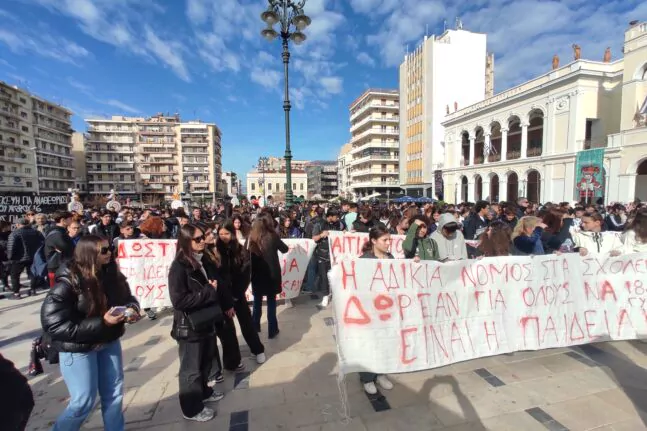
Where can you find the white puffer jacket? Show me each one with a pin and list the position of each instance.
(597, 242)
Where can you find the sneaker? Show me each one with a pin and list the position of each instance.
(215, 396)
(218, 378)
(260, 358)
(205, 415)
(151, 314)
(288, 303)
(370, 388)
(324, 302)
(15, 296)
(240, 368)
(384, 382)
(273, 334)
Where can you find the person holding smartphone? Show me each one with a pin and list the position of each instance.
(84, 314)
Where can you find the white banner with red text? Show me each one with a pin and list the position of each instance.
(349, 244)
(399, 316)
(146, 263)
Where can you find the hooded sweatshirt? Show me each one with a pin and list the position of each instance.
(452, 248)
(597, 242)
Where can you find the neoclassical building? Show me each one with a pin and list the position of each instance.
(525, 141)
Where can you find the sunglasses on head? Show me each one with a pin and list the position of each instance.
(198, 239)
(105, 250)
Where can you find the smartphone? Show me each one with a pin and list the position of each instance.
(117, 311)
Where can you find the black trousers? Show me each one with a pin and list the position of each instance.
(195, 364)
(323, 266)
(250, 334)
(16, 269)
(226, 332)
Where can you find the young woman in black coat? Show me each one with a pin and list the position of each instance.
(264, 245)
(234, 271)
(193, 293)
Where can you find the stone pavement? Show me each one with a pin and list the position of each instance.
(601, 387)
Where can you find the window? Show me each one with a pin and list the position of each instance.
(1, 168)
(25, 142)
(28, 183)
(278, 187)
(269, 186)
(28, 170)
(294, 186)
(25, 129)
(23, 100)
(253, 186)
(301, 186)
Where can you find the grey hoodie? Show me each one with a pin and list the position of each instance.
(452, 248)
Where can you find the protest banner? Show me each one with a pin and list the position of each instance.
(146, 263)
(400, 316)
(14, 205)
(349, 244)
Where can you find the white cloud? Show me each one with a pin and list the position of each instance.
(266, 77)
(332, 84)
(119, 23)
(366, 59)
(23, 40)
(120, 105)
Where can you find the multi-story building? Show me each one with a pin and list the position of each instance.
(322, 179)
(80, 165)
(272, 183)
(35, 143)
(343, 172)
(374, 128)
(525, 141)
(278, 164)
(443, 74)
(151, 159)
(232, 185)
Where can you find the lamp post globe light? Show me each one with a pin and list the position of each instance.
(289, 16)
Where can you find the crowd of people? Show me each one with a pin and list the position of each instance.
(222, 249)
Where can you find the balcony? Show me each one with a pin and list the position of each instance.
(374, 119)
(374, 144)
(41, 151)
(4, 95)
(13, 113)
(378, 131)
(390, 106)
(104, 129)
(375, 183)
(60, 117)
(11, 129)
(148, 132)
(62, 129)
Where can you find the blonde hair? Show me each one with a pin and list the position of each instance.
(523, 224)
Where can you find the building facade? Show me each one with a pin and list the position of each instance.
(80, 163)
(322, 179)
(375, 149)
(343, 173)
(271, 184)
(525, 141)
(35, 143)
(231, 183)
(151, 159)
(443, 74)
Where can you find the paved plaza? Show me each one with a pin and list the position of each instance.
(601, 387)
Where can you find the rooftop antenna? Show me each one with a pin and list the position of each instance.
(459, 23)
(444, 25)
(427, 30)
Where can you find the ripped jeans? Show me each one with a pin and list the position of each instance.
(86, 374)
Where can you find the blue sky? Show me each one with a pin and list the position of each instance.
(206, 59)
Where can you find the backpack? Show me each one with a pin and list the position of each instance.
(39, 265)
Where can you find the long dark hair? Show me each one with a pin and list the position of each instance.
(262, 234)
(639, 225)
(244, 226)
(498, 241)
(237, 250)
(184, 247)
(374, 234)
(553, 220)
(85, 266)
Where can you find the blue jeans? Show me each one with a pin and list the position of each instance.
(312, 275)
(272, 323)
(85, 374)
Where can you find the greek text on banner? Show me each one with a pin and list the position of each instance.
(146, 263)
(400, 316)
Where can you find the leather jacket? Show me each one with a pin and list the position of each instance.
(64, 313)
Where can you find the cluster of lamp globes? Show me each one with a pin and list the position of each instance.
(299, 19)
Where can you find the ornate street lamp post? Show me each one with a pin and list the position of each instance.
(288, 14)
(262, 166)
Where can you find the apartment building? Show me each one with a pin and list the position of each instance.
(443, 74)
(231, 183)
(322, 179)
(150, 159)
(343, 172)
(80, 163)
(375, 148)
(35, 143)
(278, 164)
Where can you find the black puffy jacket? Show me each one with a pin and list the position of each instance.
(64, 313)
(237, 277)
(23, 244)
(190, 291)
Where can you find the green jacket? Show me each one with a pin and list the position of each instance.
(427, 249)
